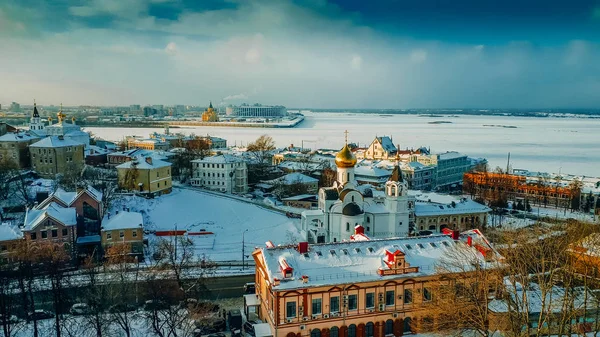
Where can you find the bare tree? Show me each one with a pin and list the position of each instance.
(122, 286)
(261, 149)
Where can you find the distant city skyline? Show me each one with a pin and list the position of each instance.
(302, 53)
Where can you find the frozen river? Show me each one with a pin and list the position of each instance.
(571, 145)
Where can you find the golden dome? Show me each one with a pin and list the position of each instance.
(345, 158)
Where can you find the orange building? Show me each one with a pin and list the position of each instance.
(359, 288)
(488, 185)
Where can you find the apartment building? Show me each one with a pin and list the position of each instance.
(123, 228)
(14, 148)
(146, 176)
(56, 155)
(223, 173)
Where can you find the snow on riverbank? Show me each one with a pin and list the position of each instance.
(228, 219)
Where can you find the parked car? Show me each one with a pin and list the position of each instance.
(151, 305)
(12, 319)
(188, 303)
(122, 307)
(249, 326)
(39, 314)
(234, 317)
(249, 288)
(80, 309)
(219, 324)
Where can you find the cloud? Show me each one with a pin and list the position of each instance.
(171, 48)
(418, 56)
(289, 52)
(356, 62)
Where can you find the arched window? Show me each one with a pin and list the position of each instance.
(347, 226)
(352, 198)
(389, 327)
(368, 220)
(369, 329)
(334, 332)
(352, 330)
(348, 176)
(315, 333)
(407, 324)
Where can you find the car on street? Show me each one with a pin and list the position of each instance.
(249, 288)
(39, 314)
(12, 319)
(80, 309)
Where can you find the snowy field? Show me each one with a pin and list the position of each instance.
(228, 219)
(537, 144)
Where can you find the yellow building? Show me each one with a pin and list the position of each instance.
(357, 288)
(145, 175)
(210, 115)
(123, 228)
(56, 155)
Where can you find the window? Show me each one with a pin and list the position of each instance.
(44, 234)
(389, 297)
(65, 232)
(121, 234)
(54, 233)
(352, 330)
(389, 327)
(134, 233)
(426, 294)
(407, 296)
(334, 332)
(370, 300)
(369, 329)
(316, 306)
(352, 302)
(334, 304)
(33, 236)
(347, 226)
(290, 309)
(109, 236)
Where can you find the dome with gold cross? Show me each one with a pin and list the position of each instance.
(345, 158)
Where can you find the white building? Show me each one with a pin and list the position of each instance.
(70, 131)
(343, 206)
(35, 123)
(256, 110)
(224, 173)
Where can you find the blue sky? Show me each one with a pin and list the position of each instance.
(302, 53)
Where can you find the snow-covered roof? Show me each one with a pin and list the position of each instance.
(95, 150)
(142, 164)
(9, 232)
(461, 207)
(296, 177)
(370, 171)
(66, 216)
(54, 141)
(18, 137)
(219, 159)
(262, 330)
(300, 197)
(450, 155)
(64, 196)
(359, 261)
(387, 144)
(122, 220)
(68, 198)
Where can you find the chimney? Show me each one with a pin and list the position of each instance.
(455, 235)
(303, 247)
(149, 160)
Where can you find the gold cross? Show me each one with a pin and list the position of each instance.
(346, 132)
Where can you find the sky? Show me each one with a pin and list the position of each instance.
(302, 53)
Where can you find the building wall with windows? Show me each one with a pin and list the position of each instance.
(256, 110)
(56, 155)
(356, 288)
(223, 173)
(123, 228)
(145, 175)
(14, 147)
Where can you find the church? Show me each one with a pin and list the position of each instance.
(70, 131)
(346, 205)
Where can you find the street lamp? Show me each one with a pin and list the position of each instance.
(243, 252)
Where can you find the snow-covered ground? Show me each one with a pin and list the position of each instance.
(228, 219)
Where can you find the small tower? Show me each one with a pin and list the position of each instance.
(35, 123)
(396, 188)
(345, 161)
